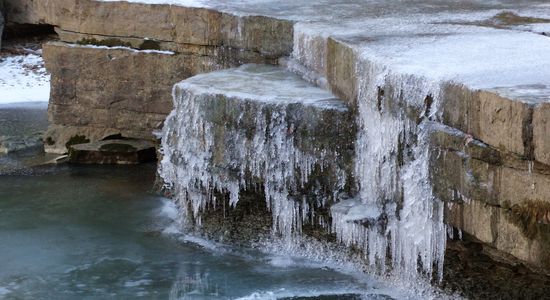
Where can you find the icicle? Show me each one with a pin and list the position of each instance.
(201, 157)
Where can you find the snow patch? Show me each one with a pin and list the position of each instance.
(122, 48)
(23, 78)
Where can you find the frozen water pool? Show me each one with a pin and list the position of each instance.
(98, 232)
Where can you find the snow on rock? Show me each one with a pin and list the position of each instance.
(515, 58)
(23, 78)
(122, 48)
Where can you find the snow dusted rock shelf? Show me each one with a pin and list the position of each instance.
(450, 99)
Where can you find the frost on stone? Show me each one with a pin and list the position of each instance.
(23, 78)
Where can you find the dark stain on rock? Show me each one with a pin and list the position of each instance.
(49, 141)
(150, 45)
(75, 140)
(529, 216)
(110, 42)
(118, 147)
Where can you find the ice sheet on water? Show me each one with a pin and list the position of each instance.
(4, 291)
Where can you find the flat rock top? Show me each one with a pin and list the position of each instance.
(261, 83)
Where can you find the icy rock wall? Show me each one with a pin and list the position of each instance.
(392, 174)
(394, 219)
(297, 151)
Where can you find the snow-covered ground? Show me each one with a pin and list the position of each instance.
(23, 78)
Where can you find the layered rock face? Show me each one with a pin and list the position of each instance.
(113, 151)
(486, 161)
(118, 91)
(445, 132)
(123, 69)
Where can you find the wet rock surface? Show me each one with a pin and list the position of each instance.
(480, 272)
(112, 151)
(498, 197)
(135, 88)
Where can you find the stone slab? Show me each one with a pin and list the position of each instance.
(113, 88)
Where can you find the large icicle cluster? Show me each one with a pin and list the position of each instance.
(392, 171)
(224, 141)
(394, 218)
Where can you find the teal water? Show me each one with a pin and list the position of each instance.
(73, 232)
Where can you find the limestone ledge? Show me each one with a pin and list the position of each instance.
(499, 198)
(489, 159)
(120, 88)
(99, 81)
(496, 227)
(159, 23)
(508, 124)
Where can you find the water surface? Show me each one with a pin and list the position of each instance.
(74, 232)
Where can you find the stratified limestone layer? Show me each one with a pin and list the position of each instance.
(501, 117)
(159, 24)
(99, 91)
(497, 197)
(102, 86)
(263, 129)
(111, 90)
